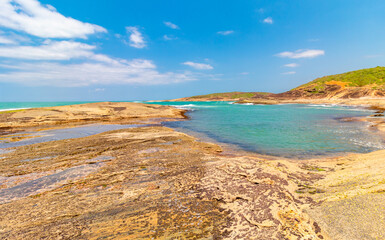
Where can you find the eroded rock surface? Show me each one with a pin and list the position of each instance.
(85, 113)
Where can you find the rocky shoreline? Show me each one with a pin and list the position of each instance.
(154, 182)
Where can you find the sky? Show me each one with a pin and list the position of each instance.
(118, 50)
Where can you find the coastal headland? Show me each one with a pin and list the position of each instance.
(360, 87)
(148, 181)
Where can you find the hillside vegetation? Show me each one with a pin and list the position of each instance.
(370, 77)
(368, 82)
(230, 95)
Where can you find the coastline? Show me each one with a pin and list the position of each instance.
(143, 187)
(377, 102)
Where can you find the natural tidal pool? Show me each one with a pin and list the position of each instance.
(66, 133)
(288, 130)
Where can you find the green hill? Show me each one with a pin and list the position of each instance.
(231, 95)
(371, 77)
(368, 82)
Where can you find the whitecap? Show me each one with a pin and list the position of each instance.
(184, 107)
(246, 104)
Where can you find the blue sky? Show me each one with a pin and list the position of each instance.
(148, 49)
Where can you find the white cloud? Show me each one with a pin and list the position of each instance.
(13, 38)
(50, 50)
(68, 63)
(50, 7)
(244, 73)
(6, 40)
(373, 56)
(289, 73)
(136, 39)
(138, 71)
(56, 50)
(268, 20)
(171, 25)
(292, 65)
(99, 89)
(226, 32)
(302, 53)
(199, 66)
(42, 21)
(169, 37)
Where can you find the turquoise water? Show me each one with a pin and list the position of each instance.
(291, 130)
(67, 133)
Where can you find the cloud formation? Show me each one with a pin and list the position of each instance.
(50, 50)
(199, 66)
(32, 57)
(292, 65)
(136, 39)
(373, 56)
(169, 37)
(225, 32)
(6, 40)
(302, 53)
(42, 21)
(137, 71)
(171, 25)
(268, 20)
(289, 73)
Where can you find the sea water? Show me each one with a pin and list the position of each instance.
(289, 130)
(66, 133)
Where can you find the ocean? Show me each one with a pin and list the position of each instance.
(287, 130)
